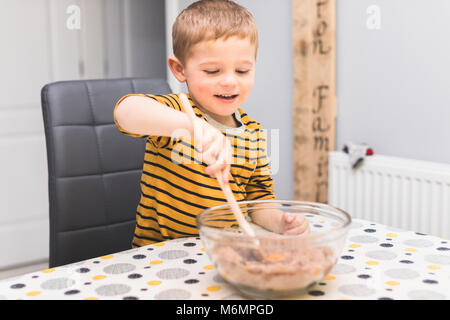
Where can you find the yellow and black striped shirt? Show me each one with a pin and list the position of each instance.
(175, 187)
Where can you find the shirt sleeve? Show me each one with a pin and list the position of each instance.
(260, 184)
(170, 100)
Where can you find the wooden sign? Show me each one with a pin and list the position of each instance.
(314, 101)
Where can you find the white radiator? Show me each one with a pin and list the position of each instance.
(403, 193)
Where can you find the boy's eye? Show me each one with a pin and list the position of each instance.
(242, 71)
(211, 71)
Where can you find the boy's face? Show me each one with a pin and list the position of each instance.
(220, 75)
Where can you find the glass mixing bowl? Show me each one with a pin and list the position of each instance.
(272, 265)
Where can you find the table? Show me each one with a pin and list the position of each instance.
(377, 262)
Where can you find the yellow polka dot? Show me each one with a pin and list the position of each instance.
(203, 249)
(433, 267)
(330, 277)
(214, 288)
(156, 262)
(208, 267)
(411, 249)
(354, 246)
(159, 244)
(391, 235)
(33, 293)
(275, 257)
(109, 256)
(344, 299)
(91, 298)
(99, 277)
(372, 263)
(392, 283)
(48, 270)
(154, 283)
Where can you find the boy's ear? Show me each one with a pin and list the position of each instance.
(177, 68)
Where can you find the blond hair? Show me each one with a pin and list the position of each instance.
(211, 20)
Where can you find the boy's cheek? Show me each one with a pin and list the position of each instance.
(201, 88)
(204, 88)
(248, 85)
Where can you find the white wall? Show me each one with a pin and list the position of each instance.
(393, 82)
(26, 66)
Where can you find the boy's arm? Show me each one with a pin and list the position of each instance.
(270, 218)
(279, 221)
(260, 187)
(143, 116)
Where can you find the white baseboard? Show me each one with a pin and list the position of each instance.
(21, 270)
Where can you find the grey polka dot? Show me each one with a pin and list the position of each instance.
(119, 268)
(425, 295)
(401, 273)
(57, 284)
(356, 290)
(437, 259)
(173, 273)
(341, 268)
(112, 289)
(364, 239)
(381, 255)
(173, 294)
(418, 243)
(173, 254)
(218, 278)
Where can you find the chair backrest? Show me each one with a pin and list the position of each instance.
(93, 170)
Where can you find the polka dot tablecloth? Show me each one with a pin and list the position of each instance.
(377, 262)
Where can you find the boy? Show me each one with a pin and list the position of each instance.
(214, 44)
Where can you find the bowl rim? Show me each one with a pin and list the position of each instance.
(319, 234)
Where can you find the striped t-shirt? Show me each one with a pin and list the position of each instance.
(175, 187)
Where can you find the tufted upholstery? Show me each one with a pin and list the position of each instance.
(93, 169)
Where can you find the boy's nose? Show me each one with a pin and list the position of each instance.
(228, 80)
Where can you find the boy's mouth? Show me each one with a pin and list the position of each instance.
(226, 97)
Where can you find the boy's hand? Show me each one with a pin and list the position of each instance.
(279, 221)
(294, 224)
(215, 149)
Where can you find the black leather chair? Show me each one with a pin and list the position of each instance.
(93, 169)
